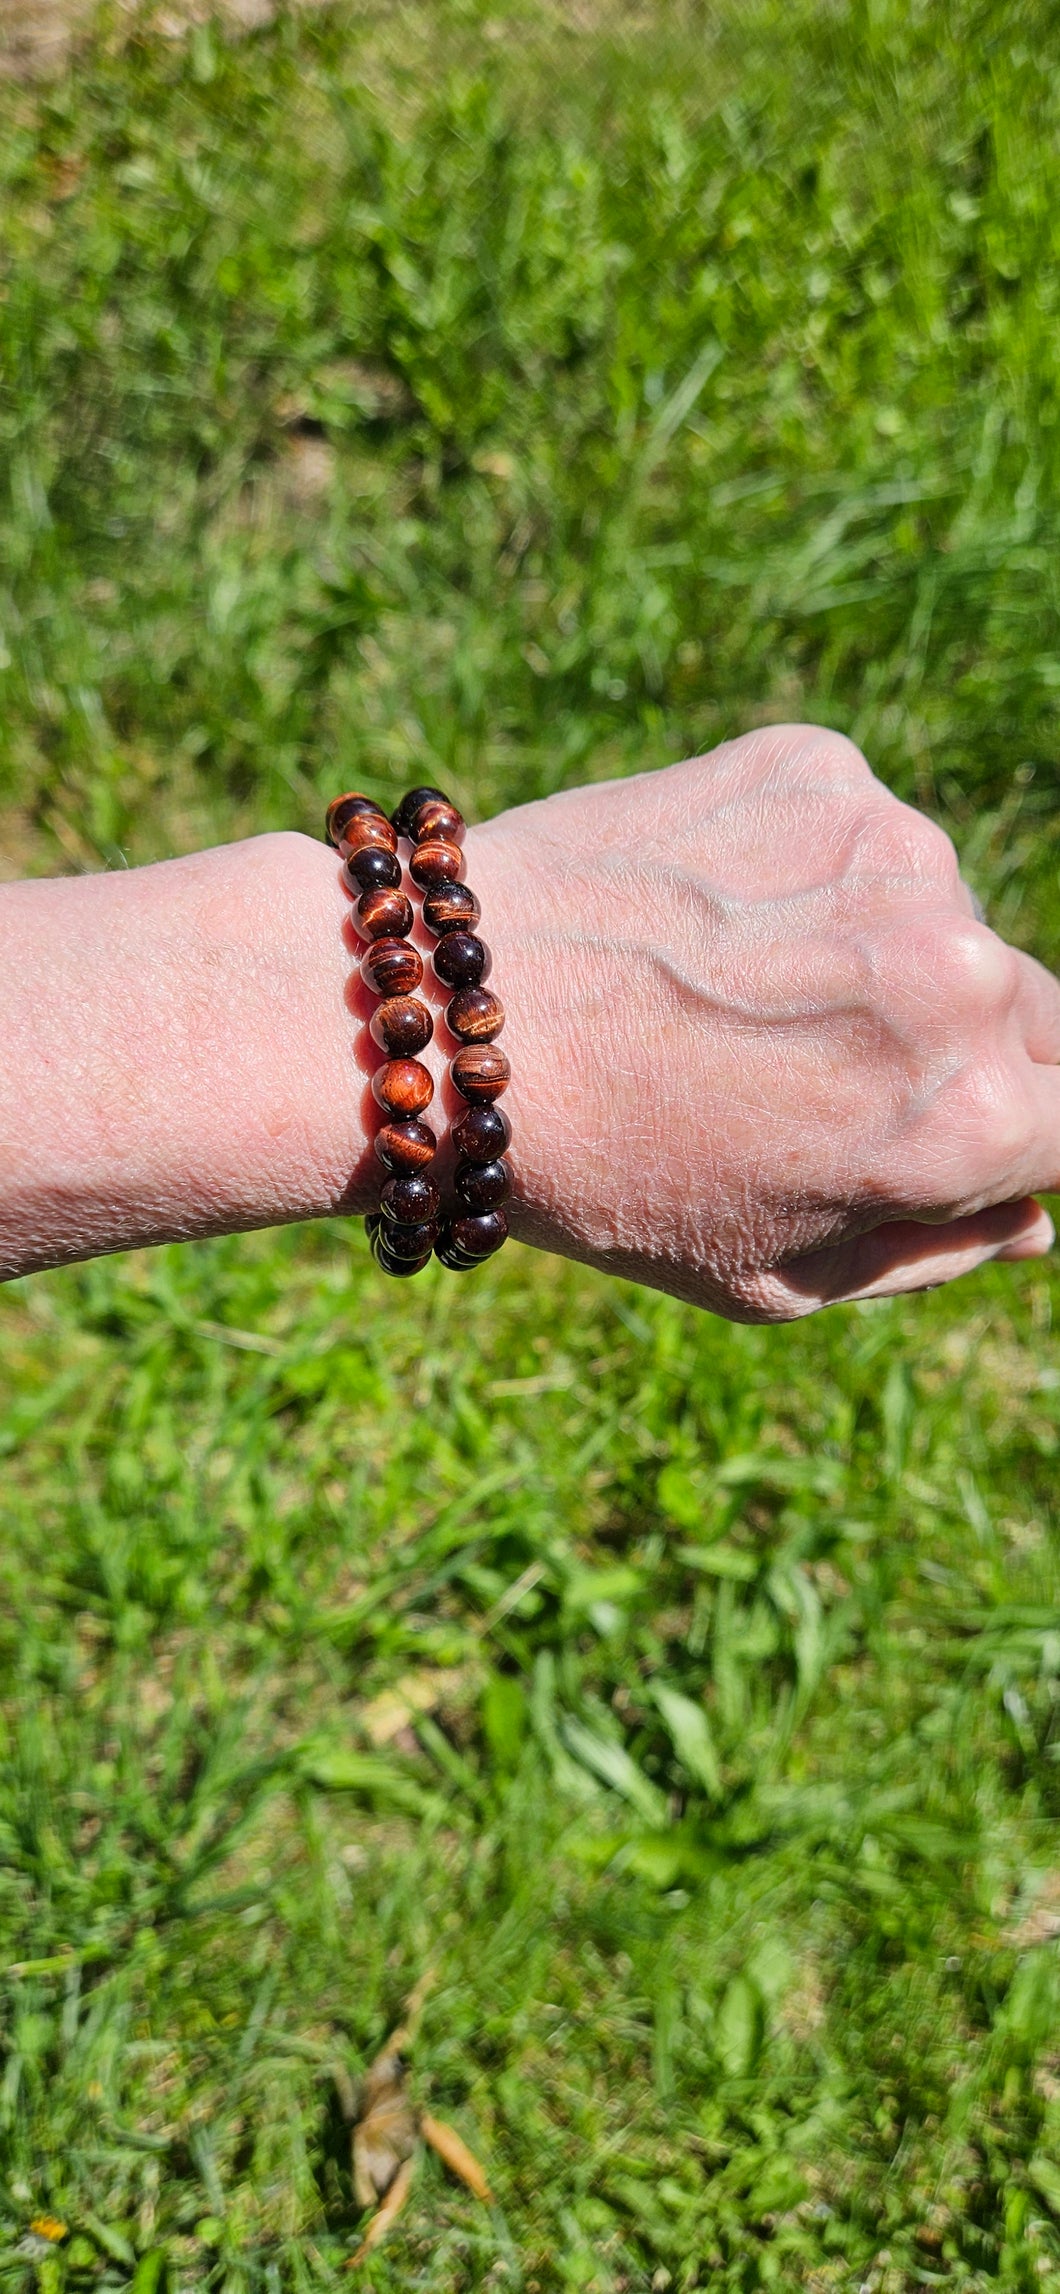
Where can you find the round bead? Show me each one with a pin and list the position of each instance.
(475, 1015)
(461, 960)
(403, 1087)
(391, 967)
(383, 915)
(458, 1262)
(436, 863)
(410, 805)
(478, 1232)
(410, 1199)
(436, 817)
(451, 908)
(390, 1263)
(370, 869)
(481, 1186)
(401, 1026)
(343, 809)
(367, 829)
(405, 1147)
(481, 1072)
(410, 1242)
(482, 1134)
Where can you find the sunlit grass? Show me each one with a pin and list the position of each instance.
(501, 396)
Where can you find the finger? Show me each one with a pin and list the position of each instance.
(908, 1256)
(1038, 1009)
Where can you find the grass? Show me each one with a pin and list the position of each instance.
(505, 395)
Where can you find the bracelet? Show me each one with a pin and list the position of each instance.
(407, 1227)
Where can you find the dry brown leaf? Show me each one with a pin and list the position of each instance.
(385, 2134)
(453, 2150)
(388, 2212)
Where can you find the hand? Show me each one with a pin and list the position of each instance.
(764, 1055)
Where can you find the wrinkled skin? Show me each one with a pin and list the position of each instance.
(764, 1054)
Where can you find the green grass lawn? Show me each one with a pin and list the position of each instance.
(503, 395)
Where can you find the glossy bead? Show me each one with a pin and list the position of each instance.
(461, 960)
(390, 1263)
(383, 915)
(458, 1262)
(403, 1147)
(436, 817)
(415, 1242)
(403, 1087)
(370, 869)
(482, 1134)
(476, 1015)
(481, 1186)
(436, 863)
(478, 1232)
(410, 805)
(367, 829)
(410, 1199)
(401, 1026)
(391, 967)
(344, 809)
(451, 908)
(481, 1072)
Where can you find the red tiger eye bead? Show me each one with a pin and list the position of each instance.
(343, 809)
(478, 1232)
(436, 817)
(411, 803)
(481, 1186)
(383, 915)
(401, 1026)
(391, 967)
(405, 1147)
(369, 869)
(436, 863)
(482, 1134)
(451, 908)
(481, 1072)
(461, 960)
(367, 829)
(403, 1087)
(475, 1015)
(410, 1199)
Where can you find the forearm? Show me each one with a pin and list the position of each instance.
(180, 1057)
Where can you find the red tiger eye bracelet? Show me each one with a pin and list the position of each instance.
(407, 1227)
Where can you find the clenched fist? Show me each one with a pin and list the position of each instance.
(764, 1054)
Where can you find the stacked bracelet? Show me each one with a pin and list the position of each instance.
(406, 1228)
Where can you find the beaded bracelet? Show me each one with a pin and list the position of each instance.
(407, 1227)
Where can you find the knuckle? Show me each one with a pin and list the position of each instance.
(975, 973)
(985, 1118)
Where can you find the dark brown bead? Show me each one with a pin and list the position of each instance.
(461, 960)
(410, 804)
(458, 1262)
(370, 869)
(390, 1263)
(367, 829)
(391, 967)
(481, 1072)
(482, 1134)
(344, 809)
(451, 908)
(436, 817)
(482, 1185)
(383, 915)
(476, 1015)
(410, 1242)
(410, 1199)
(404, 1147)
(403, 1087)
(401, 1026)
(478, 1232)
(436, 863)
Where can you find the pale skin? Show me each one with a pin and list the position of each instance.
(763, 1053)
